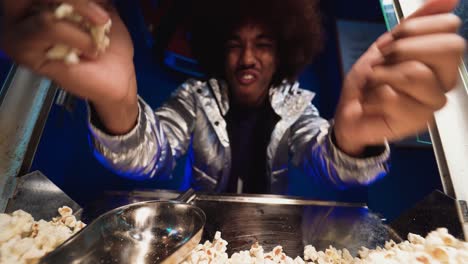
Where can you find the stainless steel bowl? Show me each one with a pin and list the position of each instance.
(147, 232)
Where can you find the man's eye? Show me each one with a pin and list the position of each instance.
(264, 45)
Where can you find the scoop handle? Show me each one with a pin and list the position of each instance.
(187, 196)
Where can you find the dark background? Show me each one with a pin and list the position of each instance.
(65, 157)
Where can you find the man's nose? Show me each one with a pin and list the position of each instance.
(248, 57)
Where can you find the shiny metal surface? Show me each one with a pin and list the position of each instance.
(146, 232)
(279, 220)
(37, 195)
(293, 226)
(434, 211)
(21, 107)
(272, 199)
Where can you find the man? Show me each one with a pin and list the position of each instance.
(244, 125)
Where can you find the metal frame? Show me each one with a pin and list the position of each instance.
(450, 144)
(237, 198)
(273, 199)
(38, 130)
(26, 100)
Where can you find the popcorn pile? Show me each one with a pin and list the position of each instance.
(438, 247)
(99, 35)
(23, 240)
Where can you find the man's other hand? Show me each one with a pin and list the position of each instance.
(394, 89)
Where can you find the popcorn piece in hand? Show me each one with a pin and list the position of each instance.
(64, 11)
(99, 35)
(58, 52)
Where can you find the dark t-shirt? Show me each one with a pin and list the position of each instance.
(249, 131)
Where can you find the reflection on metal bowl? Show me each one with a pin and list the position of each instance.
(147, 232)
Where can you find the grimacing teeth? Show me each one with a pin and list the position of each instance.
(248, 77)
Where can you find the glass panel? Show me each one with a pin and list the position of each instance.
(6, 71)
(390, 13)
(6, 67)
(391, 9)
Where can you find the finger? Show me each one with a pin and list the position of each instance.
(14, 9)
(440, 23)
(46, 30)
(119, 34)
(385, 101)
(441, 52)
(433, 7)
(36, 34)
(88, 9)
(379, 99)
(378, 129)
(50, 68)
(79, 71)
(384, 40)
(403, 115)
(357, 77)
(371, 126)
(413, 79)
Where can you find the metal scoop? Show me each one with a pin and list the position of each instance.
(140, 233)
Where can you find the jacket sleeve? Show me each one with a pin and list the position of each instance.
(313, 149)
(150, 149)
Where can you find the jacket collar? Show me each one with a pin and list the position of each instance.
(221, 94)
(287, 100)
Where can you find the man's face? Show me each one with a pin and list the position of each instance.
(250, 64)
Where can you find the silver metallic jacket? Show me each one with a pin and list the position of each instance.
(192, 120)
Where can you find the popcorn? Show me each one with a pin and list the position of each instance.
(438, 247)
(299, 260)
(256, 251)
(19, 223)
(99, 35)
(65, 211)
(63, 11)
(23, 240)
(310, 253)
(416, 239)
